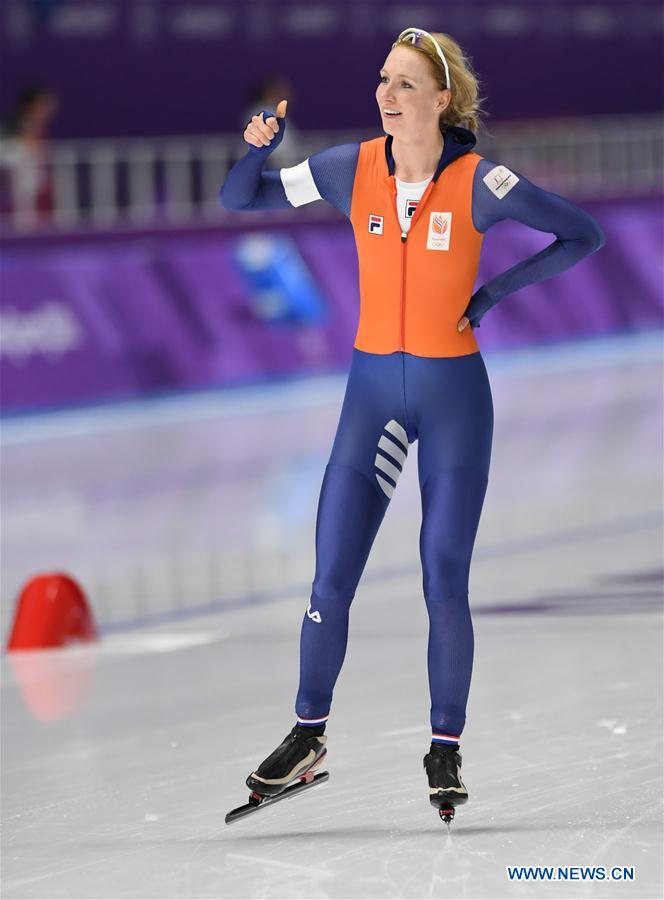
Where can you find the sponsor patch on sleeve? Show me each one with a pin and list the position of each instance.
(500, 181)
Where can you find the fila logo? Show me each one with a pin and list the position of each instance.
(315, 615)
(411, 206)
(375, 224)
(500, 181)
(440, 226)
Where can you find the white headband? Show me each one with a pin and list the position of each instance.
(413, 35)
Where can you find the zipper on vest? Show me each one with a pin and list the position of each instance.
(402, 338)
(404, 237)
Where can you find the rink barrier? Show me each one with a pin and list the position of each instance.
(173, 181)
(147, 595)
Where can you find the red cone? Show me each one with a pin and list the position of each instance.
(52, 611)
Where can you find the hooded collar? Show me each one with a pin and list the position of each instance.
(457, 141)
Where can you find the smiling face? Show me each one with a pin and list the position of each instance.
(407, 86)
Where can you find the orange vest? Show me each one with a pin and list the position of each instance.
(415, 286)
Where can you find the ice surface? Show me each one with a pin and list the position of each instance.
(191, 525)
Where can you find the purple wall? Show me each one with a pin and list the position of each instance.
(96, 320)
(134, 67)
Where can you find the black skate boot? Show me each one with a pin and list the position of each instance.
(298, 756)
(446, 789)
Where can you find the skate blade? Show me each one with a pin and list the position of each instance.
(258, 801)
(447, 799)
(446, 805)
(446, 813)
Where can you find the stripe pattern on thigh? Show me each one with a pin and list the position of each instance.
(391, 456)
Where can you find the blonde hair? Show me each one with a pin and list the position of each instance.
(465, 106)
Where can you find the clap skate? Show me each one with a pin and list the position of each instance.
(289, 770)
(446, 789)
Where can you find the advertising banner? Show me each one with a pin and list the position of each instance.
(142, 316)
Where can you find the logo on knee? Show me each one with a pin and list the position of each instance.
(314, 615)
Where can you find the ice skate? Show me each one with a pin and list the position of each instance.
(300, 753)
(446, 789)
(289, 770)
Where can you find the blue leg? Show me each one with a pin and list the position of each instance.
(369, 451)
(450, 403)
(349, 514)
(451, 507)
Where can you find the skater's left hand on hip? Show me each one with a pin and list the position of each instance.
(462, 323)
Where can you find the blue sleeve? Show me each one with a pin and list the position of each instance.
(333, 171)
(327, 175)
(247, 187)
(577, 233)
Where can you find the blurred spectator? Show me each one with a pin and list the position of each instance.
(43, 8)
(24, 160)
(266, 95)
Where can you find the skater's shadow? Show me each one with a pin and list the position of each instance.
(378, 832)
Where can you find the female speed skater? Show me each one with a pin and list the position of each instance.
(419, 200)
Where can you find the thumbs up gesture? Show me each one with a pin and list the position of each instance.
(261, 131)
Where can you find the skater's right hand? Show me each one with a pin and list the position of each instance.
(260, 133)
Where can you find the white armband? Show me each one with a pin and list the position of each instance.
(299, 184)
